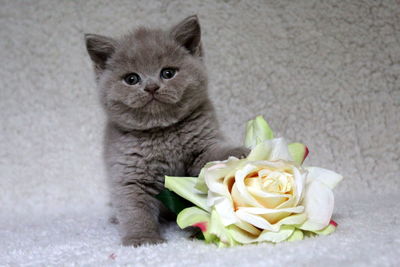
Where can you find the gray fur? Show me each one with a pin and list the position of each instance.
(146, 140)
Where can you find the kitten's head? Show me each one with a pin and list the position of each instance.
(150, 78)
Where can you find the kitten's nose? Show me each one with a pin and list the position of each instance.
(152, 88)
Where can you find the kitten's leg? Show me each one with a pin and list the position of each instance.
(137, 212)
(216, 152)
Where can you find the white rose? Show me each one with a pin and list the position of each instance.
(268, 196)
(268, 190)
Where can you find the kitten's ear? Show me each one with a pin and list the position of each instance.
(100, 48)
(188, 33)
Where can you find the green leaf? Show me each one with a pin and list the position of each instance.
(257, 131)
(185, 187)
(224, 239)
(283, 234)
(196, 217)
(326, 231)
(297, 235)
(192, 217)
(172, 201)
(201, 183)
(298, 152)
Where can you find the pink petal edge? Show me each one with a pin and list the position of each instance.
(333, 223)
(201, 225)
(305, 154)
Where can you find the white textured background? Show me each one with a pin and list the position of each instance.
(326, 73)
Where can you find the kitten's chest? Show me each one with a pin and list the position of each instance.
(159, 154)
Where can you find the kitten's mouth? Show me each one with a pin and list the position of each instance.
(156, 99)
(152, 100)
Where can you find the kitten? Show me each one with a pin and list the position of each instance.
(153, 87)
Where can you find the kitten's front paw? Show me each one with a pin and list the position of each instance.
(238, 152)
(138, 241)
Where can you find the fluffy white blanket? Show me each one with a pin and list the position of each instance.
(323, 73)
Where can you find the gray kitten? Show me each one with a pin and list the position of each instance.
(153, 86)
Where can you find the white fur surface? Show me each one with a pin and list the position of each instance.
(368, 235)
(324, 73)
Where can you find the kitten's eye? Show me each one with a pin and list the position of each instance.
(132, 78)
(168, 73)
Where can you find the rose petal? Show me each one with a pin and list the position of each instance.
(273, 216)
(280, 150)
(326, 231)
(214, 177)
(252, 210)
(275, 149)
(213, 198)
(296, 219)
(284, 233)
(265, 199)
(240, 235)
(214, 181)
(229, 182)
(260, 193)
(239, 189)
(297, 235)
(287, 204)
(327, 177)
(277, 164)
(217, 228)
(300, 180)
(318, 202)
(261, 151)
(248, 227)
(268, 200)
(217, 165)
(226, 212)
(271, 219)
(255, 220)
(201, 184)
(228, 165)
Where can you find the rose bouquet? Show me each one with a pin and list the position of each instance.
(267, 197)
